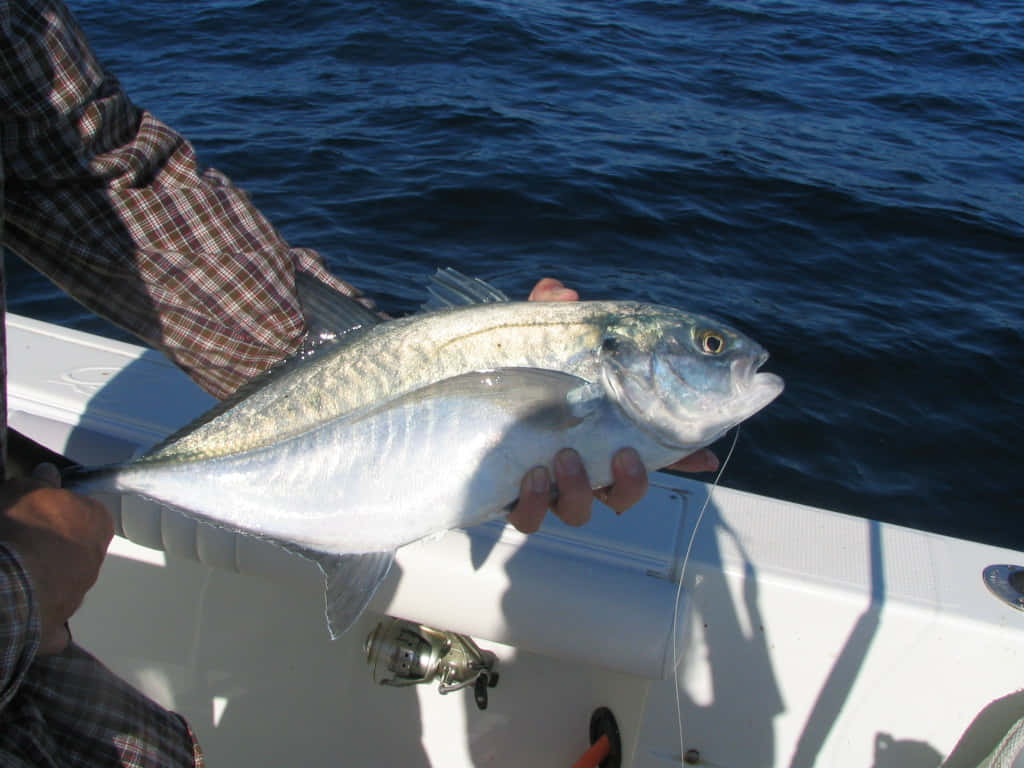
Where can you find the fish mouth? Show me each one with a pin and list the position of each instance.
(678, 414)
(768, 385)
(752, 390)
(745, 369)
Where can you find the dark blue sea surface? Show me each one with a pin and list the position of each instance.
(844, 181)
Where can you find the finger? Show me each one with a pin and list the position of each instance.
(549, 289)
(47, 473)
(701, 461)
(534, 496)
(630, 484)
(575, 498)
(104, 522)
(55, 641)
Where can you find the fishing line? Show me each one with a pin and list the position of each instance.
(679, 593)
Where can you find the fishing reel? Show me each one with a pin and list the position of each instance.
(413, 654)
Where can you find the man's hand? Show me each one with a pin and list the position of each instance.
(549, 289)
(61, 538)
(575, 497)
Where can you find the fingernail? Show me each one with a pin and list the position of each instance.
(629, 463)
(47, 473)
(569, 463)
(539, 480)
(711, 461)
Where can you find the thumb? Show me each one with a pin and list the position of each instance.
(47, 473)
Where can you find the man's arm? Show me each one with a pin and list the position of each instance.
(112, 205)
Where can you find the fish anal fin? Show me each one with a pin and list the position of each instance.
(350, 582)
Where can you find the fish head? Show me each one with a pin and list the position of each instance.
(685, 378)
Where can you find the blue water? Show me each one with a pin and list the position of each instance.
(841, 180)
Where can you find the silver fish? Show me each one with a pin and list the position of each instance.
(402, 429)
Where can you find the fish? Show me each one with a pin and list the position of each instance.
(382, 432)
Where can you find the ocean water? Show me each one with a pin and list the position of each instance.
(842, 180)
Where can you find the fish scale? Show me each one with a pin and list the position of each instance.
(398, 357)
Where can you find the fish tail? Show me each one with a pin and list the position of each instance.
(90, 479)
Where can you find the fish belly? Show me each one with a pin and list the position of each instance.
(450, 456)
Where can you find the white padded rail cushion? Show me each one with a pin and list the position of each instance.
(519, 596)
(156, 527)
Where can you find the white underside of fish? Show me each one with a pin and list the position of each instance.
(449, 455)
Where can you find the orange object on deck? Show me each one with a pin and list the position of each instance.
(595, 755)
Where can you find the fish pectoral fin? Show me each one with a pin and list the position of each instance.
(546, 399)
(512, 385)
(585, 399)
(350, 581)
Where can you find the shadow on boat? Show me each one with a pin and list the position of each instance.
(249, 663)
(219, 658)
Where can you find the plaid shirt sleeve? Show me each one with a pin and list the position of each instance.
(19, 627)
(112, 206)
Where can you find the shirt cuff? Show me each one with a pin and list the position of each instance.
(19, 624)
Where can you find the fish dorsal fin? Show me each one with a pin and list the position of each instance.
(330, 315)
(450, 288)
(332, 320)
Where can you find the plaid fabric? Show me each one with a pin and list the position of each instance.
(112, 206)
(19, 626)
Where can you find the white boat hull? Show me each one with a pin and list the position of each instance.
(805, 637)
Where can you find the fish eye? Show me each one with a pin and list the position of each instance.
(711, 343)
(609, 344)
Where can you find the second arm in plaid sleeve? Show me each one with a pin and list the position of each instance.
(112, 205)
